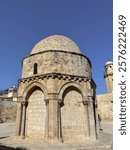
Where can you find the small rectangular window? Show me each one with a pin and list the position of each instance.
(35, 68)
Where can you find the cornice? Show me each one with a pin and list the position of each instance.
(54, 76)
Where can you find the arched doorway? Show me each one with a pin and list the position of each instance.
(35, 114)
(73, 116)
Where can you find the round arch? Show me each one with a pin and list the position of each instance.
(31, 86)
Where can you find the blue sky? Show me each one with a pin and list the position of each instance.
(23, 23)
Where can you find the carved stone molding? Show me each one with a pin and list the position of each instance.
(46, 101)
(53, 76)
(85, 102)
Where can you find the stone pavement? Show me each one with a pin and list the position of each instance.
(6, 143)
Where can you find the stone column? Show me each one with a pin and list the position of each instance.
(92, 117)
(47, 121)
(59, 121)
(53, 120)
(87, 118)
(23, 120)
(98, 127)
(18, 119)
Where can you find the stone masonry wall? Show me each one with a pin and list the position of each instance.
(56, 62)
(36, 114)
(105, 106)
(73, 115)
(73, 118)
(7, 111)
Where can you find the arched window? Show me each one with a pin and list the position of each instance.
(35, 68)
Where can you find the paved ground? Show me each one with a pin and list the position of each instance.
(6, 143)
(107, 128)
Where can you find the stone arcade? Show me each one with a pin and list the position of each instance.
(56, 94)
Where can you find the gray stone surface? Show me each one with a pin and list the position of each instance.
(56, 42)
(7, 111)
(8, 142)
(105, 107)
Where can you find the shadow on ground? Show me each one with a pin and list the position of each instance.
(4, 137)
(2, 147)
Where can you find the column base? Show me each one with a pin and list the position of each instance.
(60, 140)
(22, 136)
(55, 141)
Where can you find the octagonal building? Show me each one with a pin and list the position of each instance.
(56, 94)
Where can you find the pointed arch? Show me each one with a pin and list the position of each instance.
(76, 86)
(72, 113)
(32, 87)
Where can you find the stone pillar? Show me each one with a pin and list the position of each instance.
(23, 120)
(98, 127)
(87, 118)
(53, 120)
(59, 121)
(18, 119)
(47, 121)
(92, 118)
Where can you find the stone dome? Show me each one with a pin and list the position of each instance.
(56, 42)
(109, 63)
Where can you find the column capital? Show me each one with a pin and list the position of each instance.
(19, 99)
(46, 101)
(85, 102)
(24, 103)
(52, 96)
(90, 98)
(59, 101)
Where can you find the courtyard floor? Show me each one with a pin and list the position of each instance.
(7, 130)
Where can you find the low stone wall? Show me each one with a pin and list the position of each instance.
(7, 111)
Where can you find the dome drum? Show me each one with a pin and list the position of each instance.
(57, 62)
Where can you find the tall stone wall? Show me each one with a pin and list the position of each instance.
(105, 107)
